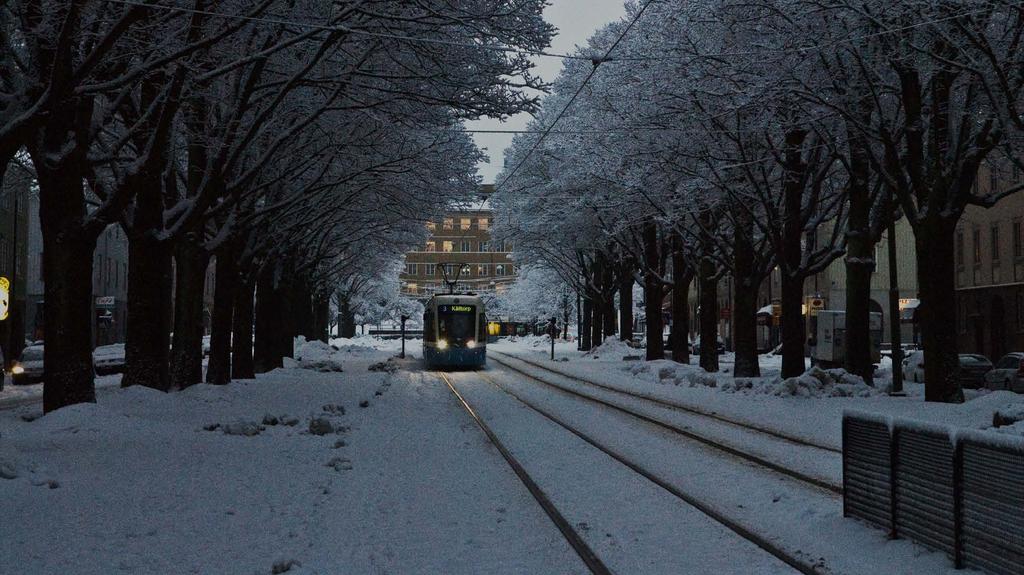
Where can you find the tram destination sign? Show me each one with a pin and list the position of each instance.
(456, 308)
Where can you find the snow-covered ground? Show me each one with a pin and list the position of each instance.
(354, 472)
(350, 460)
(808, 407)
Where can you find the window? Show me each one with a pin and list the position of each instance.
(499, 269)
(484, 223)
(481, 270)
(429, 269)
(412, 288)
(410, 269)
(976, 245)
(993, 180)
(1018, 248)
(431, 246)
(448, 246)
(1020, 310)
(449, 270)
(449, 224)
(994, 237)
(959, 248)
(467, 246)
(431, 226)
(464, 224)
(483, 246)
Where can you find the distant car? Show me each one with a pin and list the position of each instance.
(695, 346)
(973, 368)
(30, 368)
(108, 359)
(1008, 373)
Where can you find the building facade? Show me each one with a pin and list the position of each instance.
(459, 252)
(989, 255)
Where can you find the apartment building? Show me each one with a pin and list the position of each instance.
(460, 253)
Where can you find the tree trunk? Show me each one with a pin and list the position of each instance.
(190, 260)
(708, 315)
(860, 264)
(67, 272)
(347, 319)
(218, 371)
(596, 320)
(654, 292)
(793, 328)
(286, 295)
(744, 304)
(937, 312)
(744, 323)
(586, 344)
(682, 276)
(626, 302)
(148, 322)
(321, 317)
(241, 331)
(302, 300)
(608, 288)
(268, 326)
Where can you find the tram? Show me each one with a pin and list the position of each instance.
(454, 331)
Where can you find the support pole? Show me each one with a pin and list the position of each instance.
(404, 318)
(552, 331)
(894, 315)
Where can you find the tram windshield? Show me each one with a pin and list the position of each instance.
(456, 323)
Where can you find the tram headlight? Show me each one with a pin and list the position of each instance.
(17, 369)
(442, 344)
(470, 344)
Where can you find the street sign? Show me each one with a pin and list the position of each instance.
(105, 301)
(5, 298)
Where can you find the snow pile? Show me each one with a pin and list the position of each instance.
(815, 382)
(1009, 420)
(316, 355)
(611, 348)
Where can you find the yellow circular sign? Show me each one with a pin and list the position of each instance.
(5, 298)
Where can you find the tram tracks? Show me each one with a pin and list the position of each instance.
(688, 432)
(663, 403)
(701, 505)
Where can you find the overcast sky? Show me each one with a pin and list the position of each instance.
(576, 21)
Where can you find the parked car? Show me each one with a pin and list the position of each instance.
(108, 359)
(1008, 373)
(973, 368)
(695, 346)
(30, 368)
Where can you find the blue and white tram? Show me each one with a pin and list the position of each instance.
(454, 331)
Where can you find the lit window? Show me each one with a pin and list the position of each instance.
(412, 288)
(431, 226)
(484, 223)
(431, 246)
(448, 224)
(464, 224)
(448, 246)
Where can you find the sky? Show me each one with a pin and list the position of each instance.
(576, 21)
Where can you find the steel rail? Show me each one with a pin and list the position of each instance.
(579, 545)
(668, 404)
(763, 543)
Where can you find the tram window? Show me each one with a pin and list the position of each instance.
(481, 332)
(456, 325)
(428, 326)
